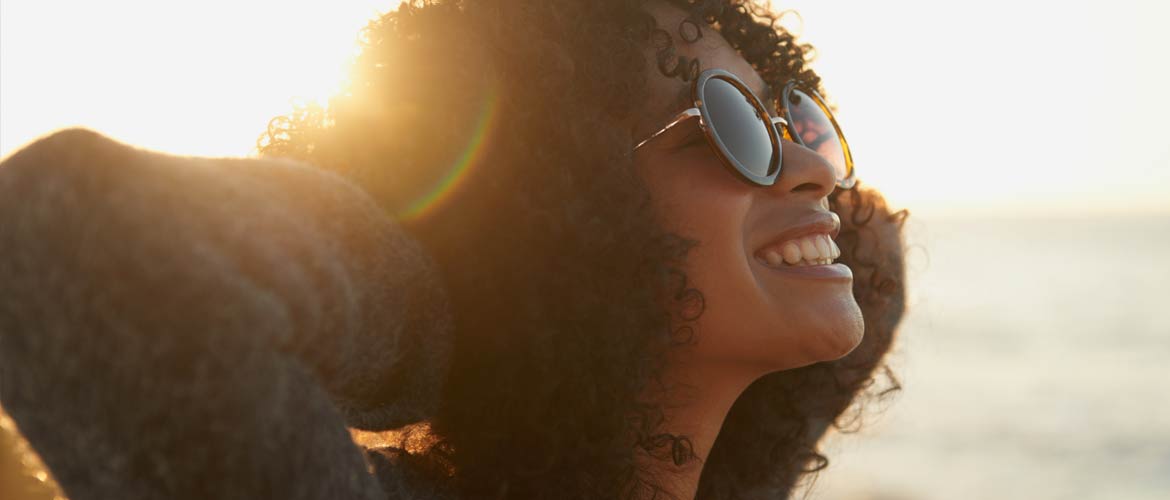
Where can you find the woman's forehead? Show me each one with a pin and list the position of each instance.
(669, 95)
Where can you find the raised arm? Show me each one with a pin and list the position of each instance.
(195, 328)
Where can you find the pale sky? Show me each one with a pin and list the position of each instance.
(1018, 106)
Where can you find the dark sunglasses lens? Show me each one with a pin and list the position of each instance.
(815, 130)
(735, 122)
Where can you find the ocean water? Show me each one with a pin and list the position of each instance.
(1035, 363)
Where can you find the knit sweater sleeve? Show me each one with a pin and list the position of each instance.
(206, 328)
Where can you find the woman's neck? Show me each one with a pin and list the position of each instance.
(695, 404)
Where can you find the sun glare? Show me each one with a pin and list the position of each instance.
(202, 80)
(935, 126)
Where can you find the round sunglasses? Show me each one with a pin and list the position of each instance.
(738, 126)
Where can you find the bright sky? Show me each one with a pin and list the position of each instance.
(1021, 105)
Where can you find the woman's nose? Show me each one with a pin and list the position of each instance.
(804, 172)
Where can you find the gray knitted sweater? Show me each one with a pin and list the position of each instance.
(207, 328)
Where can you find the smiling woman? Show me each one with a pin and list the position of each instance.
(555, 307)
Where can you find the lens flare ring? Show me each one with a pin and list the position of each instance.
(472, 155)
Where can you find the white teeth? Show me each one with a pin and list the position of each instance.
(822, 244)
(791, 253)
(773, 258)
(808, 249)
(812, 250)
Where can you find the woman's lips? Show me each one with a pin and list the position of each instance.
(837, 271)
(806, 250)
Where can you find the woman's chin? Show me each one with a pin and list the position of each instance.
(835, 332)
(845, 331)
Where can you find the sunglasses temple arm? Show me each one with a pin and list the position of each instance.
(679, 118)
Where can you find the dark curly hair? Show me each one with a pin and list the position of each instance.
(492, 130)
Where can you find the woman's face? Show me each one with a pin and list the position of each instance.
(757, 317)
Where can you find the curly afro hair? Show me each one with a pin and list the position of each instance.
(490, 129)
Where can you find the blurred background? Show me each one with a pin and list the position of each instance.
(1029, 139)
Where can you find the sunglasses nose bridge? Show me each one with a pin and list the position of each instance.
(781, 126)
(803, 172)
